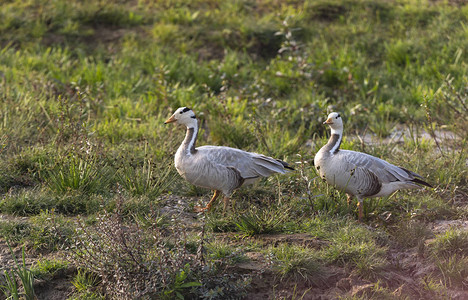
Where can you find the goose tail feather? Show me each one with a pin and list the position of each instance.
(422, 182)
(285, 165)
(271, 165)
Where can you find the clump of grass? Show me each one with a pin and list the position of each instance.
(219, 250)
(376, 291)
(260, 221)
(75, 173)
(296, 261)
(15, 231)
(48, 268)
(412, 233)
(449, 251)
(218, 223)
(356, 247)
(454, 270)
(150, 178)
(451, 242)
(85, 284)
(435, 287)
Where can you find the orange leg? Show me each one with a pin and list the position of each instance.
(360, 205)
(208, 206)
(226, 204)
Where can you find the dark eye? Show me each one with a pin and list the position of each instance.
(337, 116)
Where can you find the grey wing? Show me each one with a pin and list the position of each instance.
(384, 171)
(249, 165)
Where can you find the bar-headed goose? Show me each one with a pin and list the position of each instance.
(360, 174)
(222, 169)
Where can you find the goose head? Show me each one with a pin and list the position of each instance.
(335, 122)
(184, 116)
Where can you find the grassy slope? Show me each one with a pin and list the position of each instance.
(86, 85)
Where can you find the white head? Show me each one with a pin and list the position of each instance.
(335, 122)
(184, 116)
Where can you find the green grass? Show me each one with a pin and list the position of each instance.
(48, 268)
(21, 273)
(411, 234)
(451, 242)
(218, 250)
(298, 262)
(85, 87)
(262, 221)
(85, 285)
(46, 231)
(358, 247)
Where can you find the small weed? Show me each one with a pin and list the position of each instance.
(224, 286)
(87, 295)
(449, 251)
(376, 291)
(448, 107)
(179, 284)
(152, 219)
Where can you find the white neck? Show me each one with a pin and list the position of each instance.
(335, 140)
(188, 145)
(338, 131)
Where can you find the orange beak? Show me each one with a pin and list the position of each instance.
(329, 121)
(172, 119)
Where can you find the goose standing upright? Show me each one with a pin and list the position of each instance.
(359, 174)
(222, 169)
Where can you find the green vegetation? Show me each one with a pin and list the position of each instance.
(86, 163)
(48, 268)
(21, 272)
(84, 283)
(295, 260)
(450, 253)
